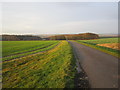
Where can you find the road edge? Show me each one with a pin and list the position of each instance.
(81, 78)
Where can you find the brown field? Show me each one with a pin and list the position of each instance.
(111, 45)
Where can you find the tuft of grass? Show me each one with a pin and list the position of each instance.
(52, 69)
(93, 44)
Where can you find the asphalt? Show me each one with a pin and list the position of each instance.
(101, 68)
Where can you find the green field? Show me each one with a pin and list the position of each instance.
(15, 49)
(93, 44)
(54, 68)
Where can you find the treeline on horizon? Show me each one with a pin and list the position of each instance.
(83, 36)
(19, 37)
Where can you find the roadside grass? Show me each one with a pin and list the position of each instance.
(18, 47)
(52, 69)
(93, 44)
(45, 48)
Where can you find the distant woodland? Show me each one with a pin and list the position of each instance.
(83, 36)
(19, 37)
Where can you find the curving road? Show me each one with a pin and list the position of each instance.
(101, 68)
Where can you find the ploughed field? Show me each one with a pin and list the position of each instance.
(107, 45)
(52, 68)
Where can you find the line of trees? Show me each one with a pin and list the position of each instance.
(19, 37)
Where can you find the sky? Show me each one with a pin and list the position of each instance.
(59, 17)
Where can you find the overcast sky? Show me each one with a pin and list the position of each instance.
(59, 17)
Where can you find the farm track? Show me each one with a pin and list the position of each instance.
(32, 53)
(101, 68)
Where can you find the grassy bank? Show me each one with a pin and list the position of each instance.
(52, 69)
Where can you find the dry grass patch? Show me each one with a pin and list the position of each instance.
(111, 45)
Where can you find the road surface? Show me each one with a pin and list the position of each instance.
(101, 68)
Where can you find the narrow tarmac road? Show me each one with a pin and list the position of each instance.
(101, 68)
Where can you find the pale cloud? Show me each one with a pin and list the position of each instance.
(39, 18)
(86, 26)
